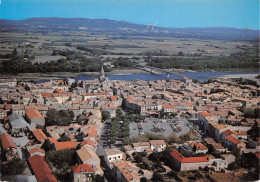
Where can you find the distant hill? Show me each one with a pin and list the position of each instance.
(97, 26)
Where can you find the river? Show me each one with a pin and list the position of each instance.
(200, 76)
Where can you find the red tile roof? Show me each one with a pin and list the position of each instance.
(52, 140)
(199, 146)
(36, 150)
(41, 169)
(205, 114)
(7, 141)
(227, 132)
(64, 145)
(233, 140)
(32, 113)
(87, 142)
(168, 107)
(82, 168)
(39, 135)
(113, 98)
(183, 159)
(8, 106)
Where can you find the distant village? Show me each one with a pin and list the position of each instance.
(177, 130)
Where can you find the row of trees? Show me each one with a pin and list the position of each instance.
(240, 60)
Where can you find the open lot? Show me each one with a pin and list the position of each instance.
(154, 126)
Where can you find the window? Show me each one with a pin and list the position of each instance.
(109, 158)
(118, 157)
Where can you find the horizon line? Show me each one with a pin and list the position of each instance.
(129, 22)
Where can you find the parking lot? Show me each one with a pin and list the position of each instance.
(160, 126)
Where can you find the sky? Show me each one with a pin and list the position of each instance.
(165, 13)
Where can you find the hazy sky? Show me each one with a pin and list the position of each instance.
(165, 13)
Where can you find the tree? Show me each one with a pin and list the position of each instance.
(98, 178)
(80, 118)
(60, 118)
(254, 131)
(194, 148)
(249, 113)
(157, 177)
(72, 115)
(64, 138)
(173, 139)
(119, 112)
(143, 179)
(138, 158)
(105, 115)
(14, 167)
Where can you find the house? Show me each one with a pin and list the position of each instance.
(229, 158)
(219, 164)
(158, 145)
(39, 135)
(129, 149)
(37, 151)
(87, 156)
(9, 146)
(41, 169)
(168, 109)
(64, 145)
(218, 147)
(208, 141)
(34, 116)
(182, 163)
(141, 146)
(200, 148)
(112, 155)
(18, 123)
(125, 171)
(83, 173)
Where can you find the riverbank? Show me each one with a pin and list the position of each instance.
(134, 74)
(239, 76)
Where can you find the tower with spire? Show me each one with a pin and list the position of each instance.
(102, 73)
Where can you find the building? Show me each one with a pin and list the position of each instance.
(83, 173)
(182, 163)
(41, 169)
(125, 171)
(141, 146)
(87, 156)
(158, 145)
(112, 155)
(64, 145)
(35, 117)
(39, 135)
(18, 123)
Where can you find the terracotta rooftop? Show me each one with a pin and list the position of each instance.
(32, 113)
(183, 159)
(7, 141)
(64, 145)
(82, 168)
(41, 169)
(199, 146)
(233, 140)
(36, 150)
(39, 135)
(113, 151)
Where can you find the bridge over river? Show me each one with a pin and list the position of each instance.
(153, 70)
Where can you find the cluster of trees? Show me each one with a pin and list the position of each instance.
(61, 160)
(123, 63)
(14, 167)
(60, 118)
(240, 60)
